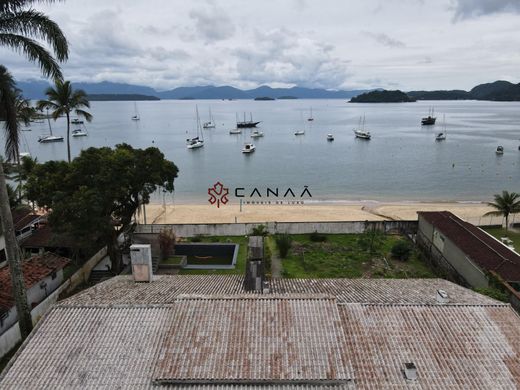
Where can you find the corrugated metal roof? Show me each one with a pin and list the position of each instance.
(165, 289)
(258, 337)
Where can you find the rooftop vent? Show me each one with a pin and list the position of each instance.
(410, 371)
(141, 257)
(442, 296)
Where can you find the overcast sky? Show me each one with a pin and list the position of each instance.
(333, 44)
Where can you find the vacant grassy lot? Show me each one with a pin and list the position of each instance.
(500, 232)
(341, 256)
(240, 266)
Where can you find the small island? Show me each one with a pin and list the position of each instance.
(382, 97)
(264, 98)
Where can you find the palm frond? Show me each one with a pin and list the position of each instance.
(8, 107)
(32, 23)
(17, 5)
(88, 116)
(34, 52)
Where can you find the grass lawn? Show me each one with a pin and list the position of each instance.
(341, 257)
(500, 232)
(172, 260)
(240, 265)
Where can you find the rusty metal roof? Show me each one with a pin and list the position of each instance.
(165, 289)
(308, 334)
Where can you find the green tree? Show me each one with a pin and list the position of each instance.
(95, 197)
(19, 27)
(401, 250)
(371, 240)
(63, 100)
(506, 204)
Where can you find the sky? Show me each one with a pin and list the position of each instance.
(331, 44)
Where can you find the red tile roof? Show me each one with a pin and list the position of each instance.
(484, 250)
(43, 237)
(34, 270)
(23, 217)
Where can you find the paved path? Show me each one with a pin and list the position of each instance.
(276, 262)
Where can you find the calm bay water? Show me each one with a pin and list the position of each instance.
(401, 162)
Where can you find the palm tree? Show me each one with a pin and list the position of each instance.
(505, 204)
(63, 100)
(19, 27)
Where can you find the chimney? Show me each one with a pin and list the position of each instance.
(141, 258)
(410, 371)
(254, 278)
(442, 297)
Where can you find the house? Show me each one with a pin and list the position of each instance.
(24, 221)
(466, 250)
(208, 332)
(42, 275)
(43, 239)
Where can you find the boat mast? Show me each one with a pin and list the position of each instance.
(49, 121)
(199, 130)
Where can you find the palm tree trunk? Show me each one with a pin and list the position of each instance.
(14, 260)
(68, 136)
(507, 221)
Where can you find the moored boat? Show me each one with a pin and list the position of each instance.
(360, 132)
(430, 119)
(248, 148)
(247, 124)
(500, 150)
(330, 137)
(257, 134)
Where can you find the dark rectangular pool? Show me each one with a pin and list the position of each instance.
(208, 255)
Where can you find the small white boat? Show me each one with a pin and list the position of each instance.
(76, 121)
(25, 154)
(310, 118)
(79, 133)
(248, 148)
(235, 131)
(198, 141)
(440, 137)
(210, 124)
(194, 143)
(500, 150)
(330, 137)
(299, 132)
(50, 138)
(257, 134)
(360, 132)
(136, 115)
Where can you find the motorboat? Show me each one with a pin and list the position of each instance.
(235, 131)
(248, 148)
(440, 137)
(500, 150)
(257, 134)
(79, 133)
(299, 132)
(50, 138)
(76, 121)
(330, 137)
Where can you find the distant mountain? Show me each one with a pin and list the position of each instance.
(499, 90)
(119, 97)
(382, 97)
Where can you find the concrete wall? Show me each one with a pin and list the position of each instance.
(243, 229)
(447, 256)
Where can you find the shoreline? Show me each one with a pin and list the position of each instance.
(200, 213)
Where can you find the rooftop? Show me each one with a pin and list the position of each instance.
(34, 270)
(285, 339)
(43, 237)
(23, 217)
(484, 250)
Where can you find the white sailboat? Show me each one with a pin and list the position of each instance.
(310, 118)
(198, 141)
(211, 123)
(136, 116)
(80, 132)
(442, 136)
(302, 131)
(50, 137)
(360, 132)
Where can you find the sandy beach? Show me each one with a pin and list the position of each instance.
(371, 211)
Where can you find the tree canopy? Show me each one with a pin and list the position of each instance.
(96, 195)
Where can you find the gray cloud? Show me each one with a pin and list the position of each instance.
(466, 9)
(212, 24)
(385, 39)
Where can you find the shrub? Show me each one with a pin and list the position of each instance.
(167, 240)
(401, 250)
(283, 241)
(197, 238)
(260, 230)
(317, 237)
(371, 240)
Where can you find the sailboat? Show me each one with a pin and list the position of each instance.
(302, 131)
(198, 141)
(360, 132)
(430, 119)
(50, 137)
(80, 132)
(246, 124)
(211, 123)
(442, 136)
(310, 118)
(136, 116)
